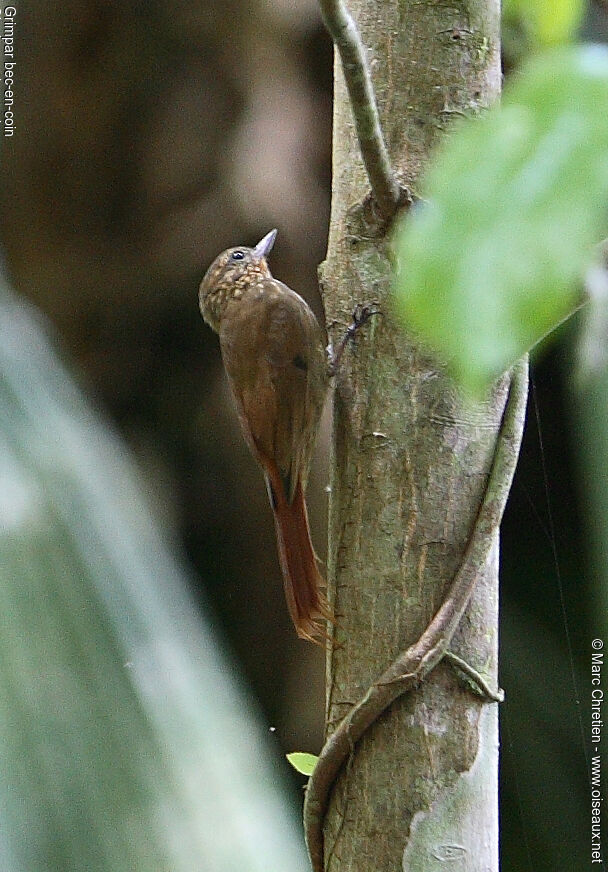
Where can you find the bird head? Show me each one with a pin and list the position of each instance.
(237, 264)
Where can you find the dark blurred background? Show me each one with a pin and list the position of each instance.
(151, 136)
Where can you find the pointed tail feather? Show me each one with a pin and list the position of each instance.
(302, 580)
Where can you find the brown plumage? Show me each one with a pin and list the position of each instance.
(274, 356)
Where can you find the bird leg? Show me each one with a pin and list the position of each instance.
(361, 315)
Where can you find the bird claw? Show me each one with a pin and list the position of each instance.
(361, 315)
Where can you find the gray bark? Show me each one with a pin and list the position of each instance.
(409, 468)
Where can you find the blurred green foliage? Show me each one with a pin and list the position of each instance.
(494, 260)
(125, 741)
(544, 22)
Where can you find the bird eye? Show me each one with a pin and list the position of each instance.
(237, 255)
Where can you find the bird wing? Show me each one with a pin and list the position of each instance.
(273, 352)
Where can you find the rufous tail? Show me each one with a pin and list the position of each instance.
(302, 580)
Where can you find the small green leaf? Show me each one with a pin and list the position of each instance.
(302, 762)
(492, 262)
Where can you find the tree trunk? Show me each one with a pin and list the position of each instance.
(410, 464)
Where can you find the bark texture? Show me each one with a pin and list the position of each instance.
(410, 464)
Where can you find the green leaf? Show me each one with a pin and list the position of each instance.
(548, 22)
(302, 762)
(492, 262)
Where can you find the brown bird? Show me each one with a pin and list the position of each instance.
(273, 351)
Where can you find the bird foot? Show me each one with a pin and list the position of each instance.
(361, 315)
